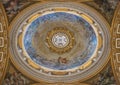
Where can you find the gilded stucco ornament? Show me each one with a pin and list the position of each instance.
(60, 40)
(4, 59)
(115, 52)
(81, 33)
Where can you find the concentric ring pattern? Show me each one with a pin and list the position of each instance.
(59, 42)
(35, 36)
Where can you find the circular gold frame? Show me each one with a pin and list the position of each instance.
(66, 48)
(85, 68)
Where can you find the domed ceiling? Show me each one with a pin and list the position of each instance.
(59, 42)
(56, 41)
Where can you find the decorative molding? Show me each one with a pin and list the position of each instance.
(91, 13)
(69, 36)
(64, 0)
(117, 42)
(115, 57)
(1, 56)
(60, 84)
(1, 28)
(3, 43)
(118, 29)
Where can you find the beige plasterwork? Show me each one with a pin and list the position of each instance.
(3, 43)
(115, 56)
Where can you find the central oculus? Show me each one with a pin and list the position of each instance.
(60, 40)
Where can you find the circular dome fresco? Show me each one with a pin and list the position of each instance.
(59, 42)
